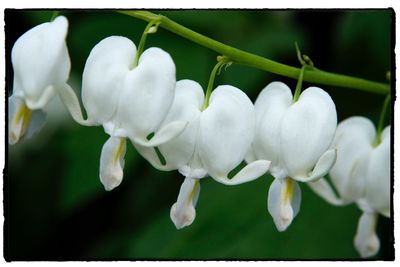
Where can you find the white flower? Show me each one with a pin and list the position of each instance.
(41, 66)
(361, 174)
(215, 141)
(129, 101)
(295, 137)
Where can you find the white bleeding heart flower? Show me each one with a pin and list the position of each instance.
(215, 141)
(295, 137)
(128, 101)
(41, 66)
(361, 174)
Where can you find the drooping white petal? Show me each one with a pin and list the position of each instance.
(353, 139)
(183, 210)
(270, 107)
(18, 119)
(249, 173)
(22, 122)
(377, 189)
(226, 130)
(322, 188)
(102, 80)
(322, 167)
(148, 93)
(40, 60)
(71, 102)
(284, 198)
(366, 241)
(112, 162)
(307, 131)
(36, 122)
(165, 134)
(178, 151)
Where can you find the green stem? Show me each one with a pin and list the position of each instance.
(54, 15)
(141, 44)
(382, 120)
(299, 84)
(211, 84)
(245, 58)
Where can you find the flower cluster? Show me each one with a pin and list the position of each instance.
(294, 139)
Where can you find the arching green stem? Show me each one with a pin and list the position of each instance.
(54, 15)
(211, 83)
(143, 42)
(245, 58)
(382, 120)
(299, 84)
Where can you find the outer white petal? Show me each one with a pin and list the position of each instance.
(112, 162)
(71, 102)
(102, 82)
(284, 198)
(249, 173)
(183, 211)
(324, 164)
(377, 189)
(307, 131)
(325, 191)
(226, 130)
(353, 140)
(178, 152)
(366, 241)
(148, 93)
(40, 60)
(270, 107)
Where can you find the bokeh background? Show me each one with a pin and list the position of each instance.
(56, 208)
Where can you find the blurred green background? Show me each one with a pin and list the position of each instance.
(57, 209)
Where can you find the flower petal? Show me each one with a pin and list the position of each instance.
(71, 102)
(377, 189)
(162, 136)
(307, 131)
(112, 162)
(284, 198)
(148, 93)
(353, 139)
(366, 241)
(102, 80)
(226, 130)
(321, 169)
(178, 151)
(249, 173)
(322, 188)
(270, 107)
(18, 118)
(40, 60)
(22, 122)
(183, 211)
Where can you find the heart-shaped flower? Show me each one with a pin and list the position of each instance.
(361, 174)
(128, 101)
(215, 141)
(295, 137)
(41, 66)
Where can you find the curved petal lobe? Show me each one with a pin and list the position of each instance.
(366, 241)
(284, 198)
(183, 210)
(249, 173)
(322, 167)
(112, 162)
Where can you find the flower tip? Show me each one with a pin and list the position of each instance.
(284, 220)
(182, 219)
(368, 249)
